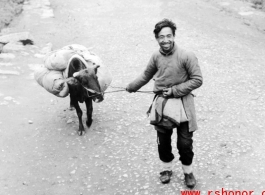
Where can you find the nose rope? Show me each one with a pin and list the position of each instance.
(119, 89)
(91, 91)
(124, 89)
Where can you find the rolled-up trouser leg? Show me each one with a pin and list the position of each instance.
(164, 146)
(184, 143)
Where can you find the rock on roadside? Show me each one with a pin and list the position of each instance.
(8, 10)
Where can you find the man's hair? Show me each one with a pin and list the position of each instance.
(164, 23)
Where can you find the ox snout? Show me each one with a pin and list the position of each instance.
(98, 98)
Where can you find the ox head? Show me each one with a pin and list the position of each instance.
(89, 81)
(85, 78)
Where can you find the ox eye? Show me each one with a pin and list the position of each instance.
(84, 81)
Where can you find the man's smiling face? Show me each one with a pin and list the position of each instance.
(166, 39)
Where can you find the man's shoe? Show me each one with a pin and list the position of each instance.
(165, 176)
(190, 180)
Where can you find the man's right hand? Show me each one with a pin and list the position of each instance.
(129, 90)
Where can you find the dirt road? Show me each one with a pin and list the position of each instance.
(41, 152)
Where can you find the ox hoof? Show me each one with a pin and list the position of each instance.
(89, 123)
(80, 133)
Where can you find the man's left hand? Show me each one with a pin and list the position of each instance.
(167, 92)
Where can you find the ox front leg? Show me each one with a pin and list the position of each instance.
(89, 110)
(79, 112)
(72, 107)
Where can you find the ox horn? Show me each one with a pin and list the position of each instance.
(76, 74)
(96, 66)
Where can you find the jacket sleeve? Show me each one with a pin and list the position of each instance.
(145, 77)
(190, 63)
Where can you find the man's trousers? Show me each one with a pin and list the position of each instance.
(184, 144)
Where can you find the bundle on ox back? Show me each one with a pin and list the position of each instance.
(77, 71)
(83, 87)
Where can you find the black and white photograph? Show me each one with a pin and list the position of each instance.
(132, 97)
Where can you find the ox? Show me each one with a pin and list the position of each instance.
(83, 87)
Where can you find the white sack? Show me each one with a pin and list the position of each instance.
(58, 60)
(52, 81)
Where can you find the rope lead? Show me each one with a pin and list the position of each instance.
(120, 89)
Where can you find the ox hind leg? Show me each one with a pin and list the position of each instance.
(79, 113)
(89, 110)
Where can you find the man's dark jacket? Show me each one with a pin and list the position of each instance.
(177, 69)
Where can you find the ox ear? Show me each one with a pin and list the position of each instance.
(76, 74)
(96, 68)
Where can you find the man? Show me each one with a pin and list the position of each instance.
(176, 74)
